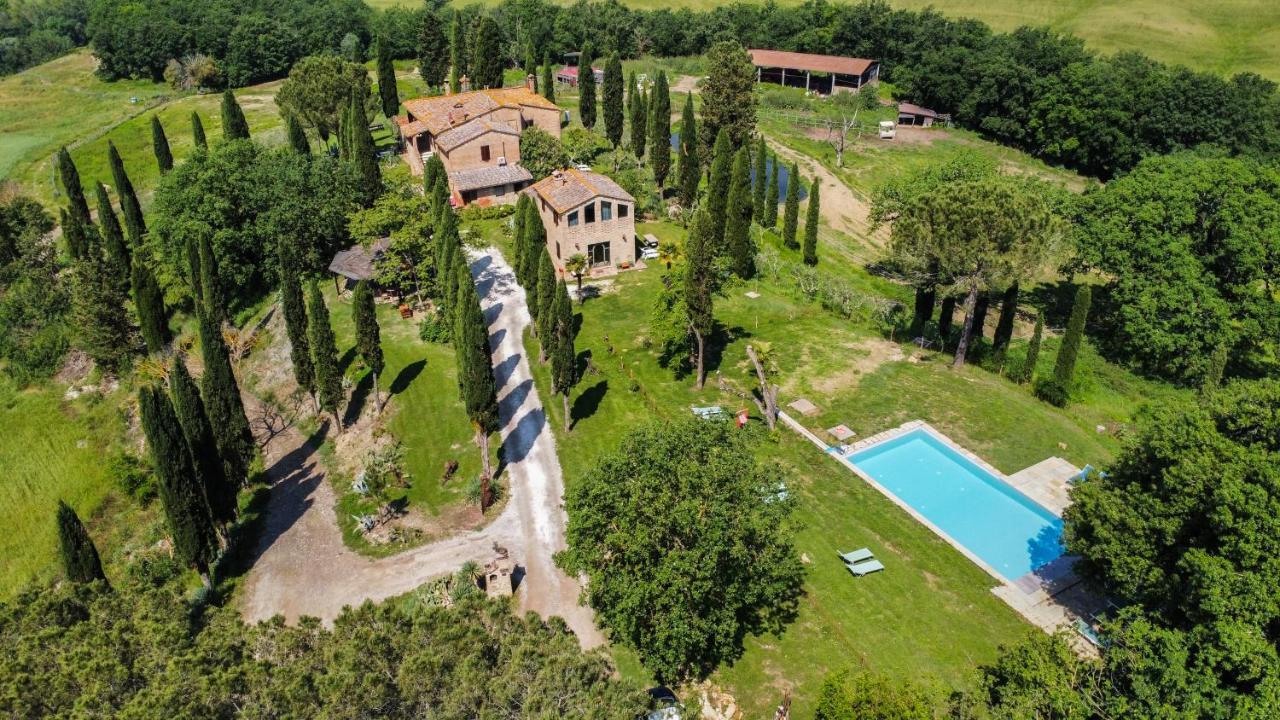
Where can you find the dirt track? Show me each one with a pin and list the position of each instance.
(302, 566)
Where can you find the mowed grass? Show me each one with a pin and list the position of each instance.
(931, 615)
(52, 449)
(1224, 37)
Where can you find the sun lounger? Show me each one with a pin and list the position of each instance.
(865, 568)
(1087, 632)
(706, 413)
(856, 556)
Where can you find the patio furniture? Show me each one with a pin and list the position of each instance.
(857, 556)
(1087, 632)
(708, 413)
(865, 568)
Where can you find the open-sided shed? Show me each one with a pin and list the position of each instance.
(826, 74)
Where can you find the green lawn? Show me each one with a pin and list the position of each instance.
(931, 615)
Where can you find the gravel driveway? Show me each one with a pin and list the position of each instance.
(302, 566)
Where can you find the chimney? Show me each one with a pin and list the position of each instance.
(465, 83)
(529, 82)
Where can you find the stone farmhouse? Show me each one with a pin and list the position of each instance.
(587, 213)
(476, 135)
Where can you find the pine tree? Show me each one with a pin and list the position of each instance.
(700, 252)
(548, 77)
(213, 298)
(1028, 369)
(717, 201)
(387, 91)
(946, 314)
(1004, 326)
(363, 152)
(791, 211)
(772, 196)
(530, 66)
(129, 205)
(113, 237)
(197, 132)
(78, 206)
(295, 316)
(759, 182)
(185, 505)
(660, 130)
(1058, 390)
(564, 358)
(475, 371)
(368, 337)
(220, 489)
(324, 352)
(690, 167)
(98, 304)
(455, 54)
(811, 225)
(546, 299)
(160, 146)
(737, 233)
(613, 99)
(234, 125)
(222, 400)
(148, 298)
(80, 559)
(298, 137)
(586, 88)
(639, 124)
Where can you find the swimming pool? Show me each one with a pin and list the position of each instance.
(1006, 530)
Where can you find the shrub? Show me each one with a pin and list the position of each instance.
(492, 212)
(131, 475)
(434, 328)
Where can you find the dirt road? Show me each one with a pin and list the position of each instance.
(302, 566)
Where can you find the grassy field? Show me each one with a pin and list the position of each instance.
(1226, 37)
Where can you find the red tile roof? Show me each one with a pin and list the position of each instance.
(812, 63)
(567, 189)
(438, 114)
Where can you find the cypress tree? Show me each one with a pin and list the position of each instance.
(113, 236)
(219, 487)
(791, 211)
(432, 172)
(76, 202)
(298, 137)
(535, 244)
(129, 205)
(455, 54)
(926, 294)
(773, 194)
(234, 125)
(368, 336)
(811, 225)
(80, 559)
(548, 77)
(1064, 369)
(185, 506)
(73, 234)
(718, 188)
(487, 63)
(295, 316)
(222, 400)
(737, 233)
(530, 66)
(760, 182)
(1028, 369)
(660, 130)
(193, 272)
(690, 167)
(1004, 326)
(324, 351)
(197, 131)
(564, 358)
(148, 298)
(387, 91)
(475, 371)
(629, 97)
(213, 298)
(546, 299)
(363, 152)
(639, 124)
(98, 304)
(519, 238)
(613, 99)
(160, 146)
(699, 254)
(945, 315)
(447, 245)
(586, 88)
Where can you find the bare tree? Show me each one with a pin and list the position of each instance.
(768, 400)
(838, 134)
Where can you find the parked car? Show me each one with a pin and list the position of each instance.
(649, 253)
(663, 705)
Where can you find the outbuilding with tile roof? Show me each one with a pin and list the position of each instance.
(586, 213)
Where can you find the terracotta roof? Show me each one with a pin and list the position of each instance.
(409, 128)
(452, 138)
(812, 63)
(570, 188)
(356, 262)
(909, 109)
(487, 177)
(572, 71)
(438, 114)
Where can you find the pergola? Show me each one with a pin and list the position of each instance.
(836, 73)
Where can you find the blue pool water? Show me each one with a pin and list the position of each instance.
(1000, 525)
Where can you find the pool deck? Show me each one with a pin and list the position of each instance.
(1049, 597)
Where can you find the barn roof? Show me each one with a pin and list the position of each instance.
(567, 189)
(812, 63)
(356, 262)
